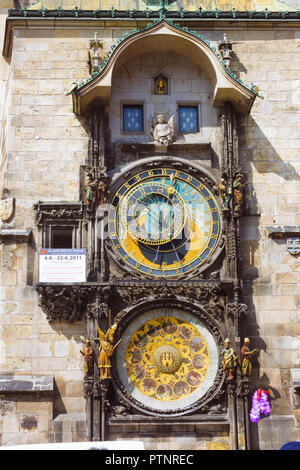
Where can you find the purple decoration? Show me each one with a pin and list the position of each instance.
(260, 404)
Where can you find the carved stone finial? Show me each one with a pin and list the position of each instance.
(225, 47)
(95, 56)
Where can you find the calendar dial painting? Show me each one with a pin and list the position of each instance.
(164, 223)
(167, 360)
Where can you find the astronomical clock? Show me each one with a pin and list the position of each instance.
(166, 229)
(164, 223)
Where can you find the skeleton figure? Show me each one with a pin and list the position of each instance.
(162, 130)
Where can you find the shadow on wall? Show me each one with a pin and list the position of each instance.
(267, 174)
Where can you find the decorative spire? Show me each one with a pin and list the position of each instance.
(225, 47)
(95, 57)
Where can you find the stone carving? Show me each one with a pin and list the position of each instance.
(210, 295)
(162, 129)
(106, 350)
(236, 310)
(246, 358)
(229, 359)
(7, 209)
(48, 211)
(88, 354)
(225, 47)
(65, 303)
(293, 245)
(94, 53)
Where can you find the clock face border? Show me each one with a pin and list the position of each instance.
(133, 317)
(145, 173)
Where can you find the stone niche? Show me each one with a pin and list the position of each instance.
(188, 85)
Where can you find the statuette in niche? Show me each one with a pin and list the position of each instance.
(161, 85)
(162, 129)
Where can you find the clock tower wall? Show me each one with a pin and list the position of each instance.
(185, 85)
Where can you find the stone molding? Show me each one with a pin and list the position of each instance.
(26, 383)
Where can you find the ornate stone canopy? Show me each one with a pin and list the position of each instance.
(164, 36)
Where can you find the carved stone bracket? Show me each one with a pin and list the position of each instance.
(208, 293)
(72, 302)
(88, 388)
(235, 310)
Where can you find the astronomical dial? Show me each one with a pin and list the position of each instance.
(164, 223)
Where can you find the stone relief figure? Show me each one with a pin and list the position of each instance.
(246, 358)
(162, 129)
(225, 193)
(6, 209)
(229, 359)
(106, 349)
(88, 354)
(238, 192)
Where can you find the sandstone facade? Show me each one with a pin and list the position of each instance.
(44, 145)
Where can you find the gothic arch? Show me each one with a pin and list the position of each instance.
(164, 36)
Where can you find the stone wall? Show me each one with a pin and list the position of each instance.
(44, 144)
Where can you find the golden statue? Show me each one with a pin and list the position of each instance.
(161, 86)
(88, 354)
(238, 192)
(229, 359)
(246, 357)
(225, 193)
(106, 349)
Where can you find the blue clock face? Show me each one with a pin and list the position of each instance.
(164, 223)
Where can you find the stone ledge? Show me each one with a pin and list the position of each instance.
(282, 230)
(15, 235)
(149, 425)
(26, 383)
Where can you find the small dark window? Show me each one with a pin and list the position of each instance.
(133, 119)
(62, 237)
(188, 119)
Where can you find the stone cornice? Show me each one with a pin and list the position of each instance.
(181, 13)
(133, 19)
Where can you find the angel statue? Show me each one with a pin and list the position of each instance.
(106, 349)
(162, 130)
